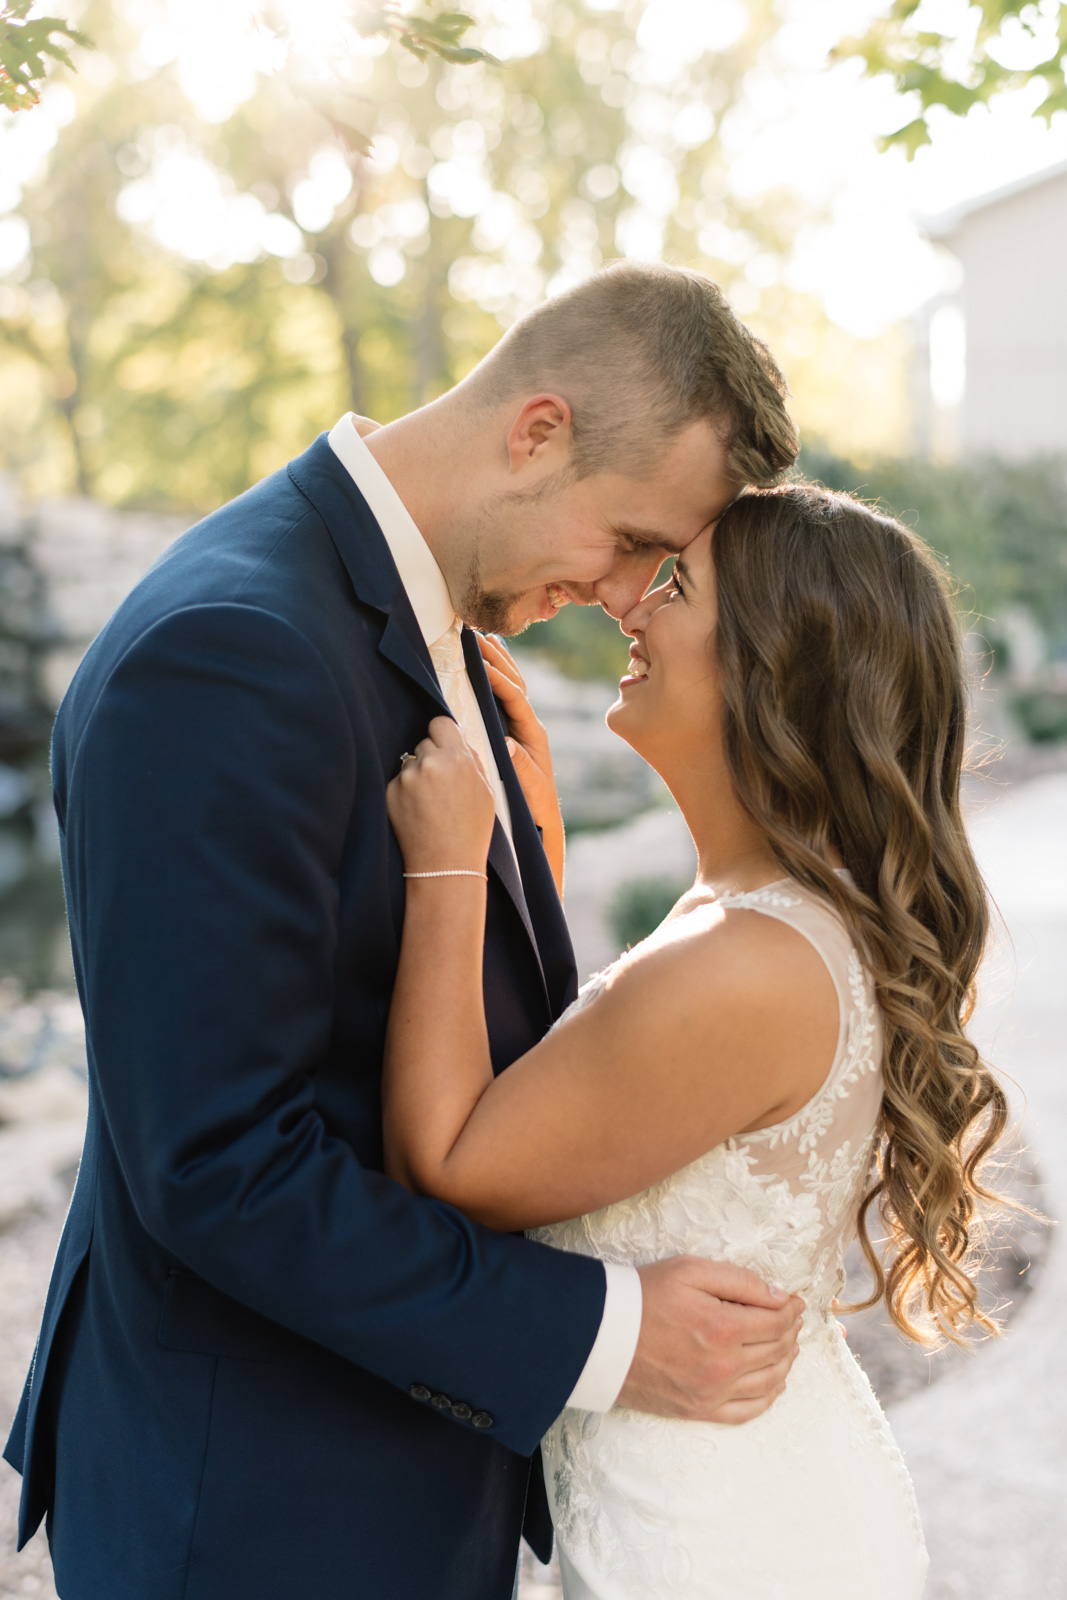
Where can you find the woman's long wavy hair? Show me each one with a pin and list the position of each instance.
(844, 723)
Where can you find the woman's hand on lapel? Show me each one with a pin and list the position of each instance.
(441, 805)
(529, 750)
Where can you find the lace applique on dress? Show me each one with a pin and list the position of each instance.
(812, 1500)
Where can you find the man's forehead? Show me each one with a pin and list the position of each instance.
(670, 512)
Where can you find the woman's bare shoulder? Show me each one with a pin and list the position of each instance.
(732, 981)
(720, 951)
(716, 1025)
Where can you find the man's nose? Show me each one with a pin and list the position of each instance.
(635, 620)
(621, 592)
(625, 586)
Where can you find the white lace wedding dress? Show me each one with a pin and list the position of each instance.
(812, 1500)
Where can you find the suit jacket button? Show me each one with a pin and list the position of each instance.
(481, 1419)
(441, 1401)
(419, 1391)
(461, 1410)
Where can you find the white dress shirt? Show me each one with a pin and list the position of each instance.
(609, 1360)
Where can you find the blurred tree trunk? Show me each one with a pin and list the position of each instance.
(340, 284)
(432, 374)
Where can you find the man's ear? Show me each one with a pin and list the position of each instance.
(540, 433)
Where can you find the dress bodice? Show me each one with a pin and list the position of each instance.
(811, 1500)
(781, 1200)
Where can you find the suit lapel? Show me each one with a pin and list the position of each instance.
(367, 559)
(402, 644)
(541, 911)
(324, 481)
(502, 860)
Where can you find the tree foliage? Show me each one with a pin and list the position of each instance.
(426, 35)
(929, 65)
(142, 370)
(440, 34)
(26, 46)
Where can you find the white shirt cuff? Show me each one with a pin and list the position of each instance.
(613, 1352)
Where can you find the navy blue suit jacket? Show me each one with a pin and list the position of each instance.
(265, 1370)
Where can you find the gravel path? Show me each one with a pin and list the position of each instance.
(987, 1446)
(26, 1250)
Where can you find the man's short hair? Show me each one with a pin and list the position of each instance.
(641, 351)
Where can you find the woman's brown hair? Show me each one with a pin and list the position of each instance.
(844, 723)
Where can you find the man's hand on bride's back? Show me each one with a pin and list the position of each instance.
(716, 1344)
(440, 804)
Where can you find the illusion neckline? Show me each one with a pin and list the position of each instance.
(775, 883)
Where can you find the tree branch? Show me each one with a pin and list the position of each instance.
(24, 47)
(926, 65)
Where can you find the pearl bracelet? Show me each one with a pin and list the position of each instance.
(452, 872)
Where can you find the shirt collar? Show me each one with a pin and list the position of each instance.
(423, 580)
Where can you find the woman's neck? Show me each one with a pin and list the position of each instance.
(732, 851)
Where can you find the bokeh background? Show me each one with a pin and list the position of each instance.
(233, 222)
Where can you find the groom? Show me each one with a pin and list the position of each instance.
(265, 1371)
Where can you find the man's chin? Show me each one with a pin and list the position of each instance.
(522, 612)
(522, 618)
(492, 612)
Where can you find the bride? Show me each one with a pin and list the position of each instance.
(785, 1053)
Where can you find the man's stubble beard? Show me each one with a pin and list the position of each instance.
(491, 610)
(501, 610)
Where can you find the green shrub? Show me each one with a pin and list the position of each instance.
(639, 906)
(1043, 715)
(1001, 526)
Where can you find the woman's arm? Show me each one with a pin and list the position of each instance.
(722, 1024)
(442, 811)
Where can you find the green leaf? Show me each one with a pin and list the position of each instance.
(352, 140)
(422, 33)
(925, 64)
(912, 136)
(463, 56)
(1053, 102)
(26, 47)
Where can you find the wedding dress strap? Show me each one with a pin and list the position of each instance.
(816, 921)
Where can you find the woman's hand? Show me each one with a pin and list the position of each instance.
(440, 804)
(528, 747)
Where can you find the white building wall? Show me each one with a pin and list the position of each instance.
(1013, 249)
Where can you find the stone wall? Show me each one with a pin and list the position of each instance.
(64, 567)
